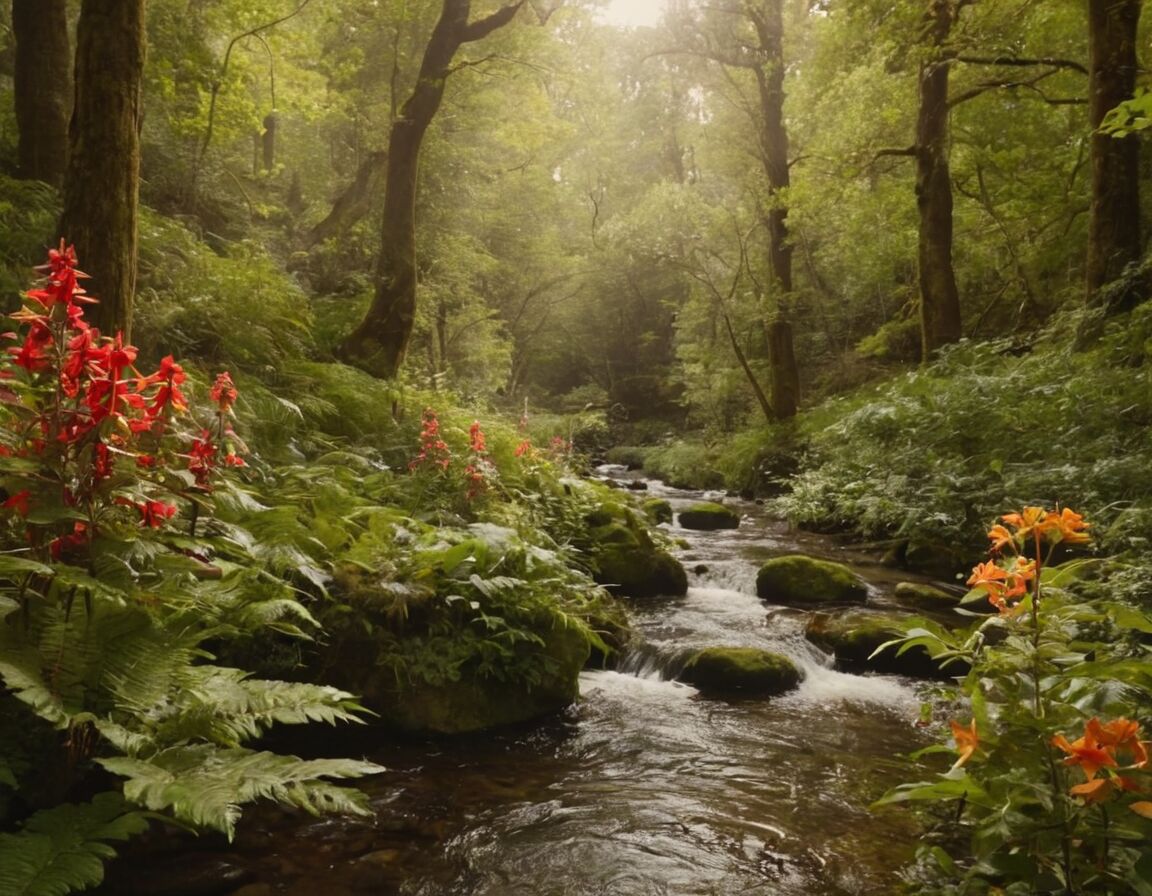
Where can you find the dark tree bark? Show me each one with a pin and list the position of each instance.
(43, 88)
(1114, 223)
(785, 374)
(102, 181)
(378, 345)
(940, 321)
(354, 203)
(768, 21)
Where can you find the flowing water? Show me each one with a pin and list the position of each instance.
(645, 788)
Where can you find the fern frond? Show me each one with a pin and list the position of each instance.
(206, 785)
(226, 707)
(63, 849)
(21, 673)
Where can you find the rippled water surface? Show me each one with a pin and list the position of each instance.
(645, 787)
(648, 788)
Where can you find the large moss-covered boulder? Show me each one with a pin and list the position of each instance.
(853, 636)
(657, 510)
(708, 516)
(625, 559)
(799, 581)
(474, 701)
(740, 671)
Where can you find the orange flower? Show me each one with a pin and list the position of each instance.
(1068, 527)
(967, 741)
(1086, 752)
(1023, 572)
(990, 577)
(1003, 584)
(1027, 520)
(1121, 734)
(1000, 537)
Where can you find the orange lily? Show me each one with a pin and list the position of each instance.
(1086, 751)
(967, 741)
(1000, 537)
(1027, 520)
(990, 577)
(1069, 527)
(1121, 734)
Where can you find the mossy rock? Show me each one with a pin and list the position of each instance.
(638, 571)
(625, 559)
(931, 559)
(853, 636)
(797, 580)
(708, 515)
(740, 671)
(475, 702)
(657, 510)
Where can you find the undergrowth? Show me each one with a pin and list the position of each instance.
(933, 454)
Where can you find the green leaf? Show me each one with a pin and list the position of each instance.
(206, 785)
(63, 849)
(955, 785)
(14, 567)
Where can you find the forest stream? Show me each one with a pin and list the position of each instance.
(645, 788)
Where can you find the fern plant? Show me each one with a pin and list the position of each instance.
(117, 580)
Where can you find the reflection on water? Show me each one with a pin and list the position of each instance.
(648, 788)
(645, 788)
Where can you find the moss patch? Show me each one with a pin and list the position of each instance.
(854, 635)
(476, 702)
(740, 671)
(708, 515)
(657, 510)
(796, 580)
(624, 557)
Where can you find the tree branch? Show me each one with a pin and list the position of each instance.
(906, 151)
(481, 28)
(1018, 61)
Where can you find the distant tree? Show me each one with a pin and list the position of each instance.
(102, 181)
(750, 36)
(1114, 230)
(42, 88)
(379, 343)
(940, 320)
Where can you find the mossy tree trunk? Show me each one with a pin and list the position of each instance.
(940, 321)
(380, 342)
(102, 182)
(42, 88)
(1114, 222)
(768, 21)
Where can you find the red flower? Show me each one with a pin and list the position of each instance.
(20, 502)
(223, 392)
(202, 458)
(170, 376)
(66, 546)
(433, 449)
(476, 437)
(153, 514)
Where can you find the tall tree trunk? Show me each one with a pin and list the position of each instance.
(102, 183)
(785, 374)
(43, 88)
(940, 322)
(1114, 222)
(379, 343)
(768, 21)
